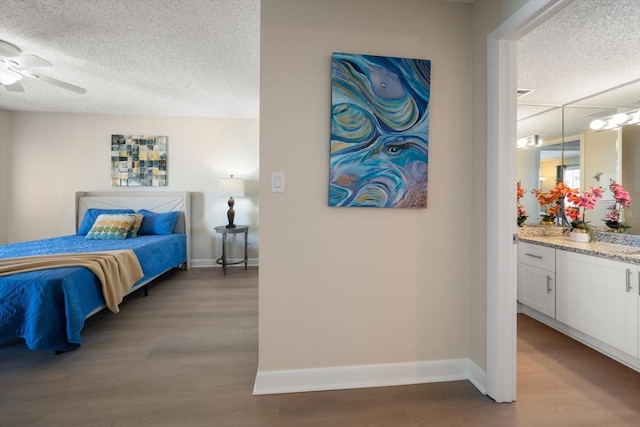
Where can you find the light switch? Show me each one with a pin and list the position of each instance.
(277, 182)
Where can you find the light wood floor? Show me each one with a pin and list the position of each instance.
(187, 356)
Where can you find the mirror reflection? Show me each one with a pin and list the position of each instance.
(537, 165)
(571, 147)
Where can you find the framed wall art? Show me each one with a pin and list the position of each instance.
(138, 161)
(379, 131)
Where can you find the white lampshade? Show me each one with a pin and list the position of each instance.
(232, 187)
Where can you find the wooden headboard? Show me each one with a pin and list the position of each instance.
(155, 201)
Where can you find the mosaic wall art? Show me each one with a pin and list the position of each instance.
(379, 131)
(138, 161)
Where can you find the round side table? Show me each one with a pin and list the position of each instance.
(239, 229)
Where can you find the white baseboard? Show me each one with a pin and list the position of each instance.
(347, 377)
(477, 376)
(252, 262)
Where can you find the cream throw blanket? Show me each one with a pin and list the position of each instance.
(116, 270)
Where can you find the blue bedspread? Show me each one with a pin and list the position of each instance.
(48, 308)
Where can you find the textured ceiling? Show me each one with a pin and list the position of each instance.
(201, 57)
(149, 57)
(588, 47)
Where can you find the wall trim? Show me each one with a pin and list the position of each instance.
(196, 263)
(364, 376)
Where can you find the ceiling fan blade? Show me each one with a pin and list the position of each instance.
(16, 87)
(55, 82)
(28, 61)
(8, 50)
(12, 61)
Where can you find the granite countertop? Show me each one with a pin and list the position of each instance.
(613, 251)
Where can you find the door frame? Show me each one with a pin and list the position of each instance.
(501, 194)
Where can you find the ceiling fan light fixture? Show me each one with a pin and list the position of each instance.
(14, 67)
(9, 77)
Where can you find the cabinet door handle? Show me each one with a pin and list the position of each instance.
(534, 256)
(548, 284)
(628, 280)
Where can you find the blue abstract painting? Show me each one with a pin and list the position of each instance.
(379, 131)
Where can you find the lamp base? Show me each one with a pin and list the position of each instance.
(231, 214)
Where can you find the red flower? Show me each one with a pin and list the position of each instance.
(549, 201)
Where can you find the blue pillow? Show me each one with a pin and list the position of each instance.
(92, 214)
(157, 223)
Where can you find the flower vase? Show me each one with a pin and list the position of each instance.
(548, 220)
(575, 236)
(617, 227)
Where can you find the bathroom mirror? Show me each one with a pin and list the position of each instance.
(584, 157)
(537, 165)
(608, 153)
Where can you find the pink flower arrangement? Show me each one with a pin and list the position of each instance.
(522, 213)
(521, 191)
(581, 202)
(622, 199)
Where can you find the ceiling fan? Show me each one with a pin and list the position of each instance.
(14, 67)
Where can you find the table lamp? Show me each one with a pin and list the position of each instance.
(232, 187)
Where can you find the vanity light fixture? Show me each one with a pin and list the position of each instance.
(597, 124)
(616, 121)
(529, 141)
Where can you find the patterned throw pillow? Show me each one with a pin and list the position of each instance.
(111, 227)
(133, 232)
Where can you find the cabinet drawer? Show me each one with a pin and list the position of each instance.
(537, 256)
(536, 289)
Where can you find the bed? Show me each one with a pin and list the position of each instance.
(48, 307)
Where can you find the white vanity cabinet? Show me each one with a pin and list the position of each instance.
(537, 277)
(598, 297)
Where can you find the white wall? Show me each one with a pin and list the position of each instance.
(359, 286)
(5, 135)
(528, 176)
(353, 286)
(600, 152)
(52, 156)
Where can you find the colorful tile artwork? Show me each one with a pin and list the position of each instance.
(379, 131)
(138, 161)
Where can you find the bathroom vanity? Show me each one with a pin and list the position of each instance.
(589, 291)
